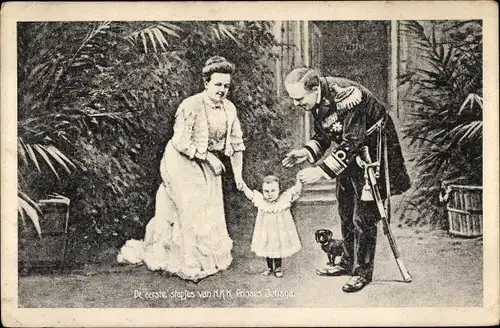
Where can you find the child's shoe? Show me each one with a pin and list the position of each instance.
(278, 273)
(267, 272)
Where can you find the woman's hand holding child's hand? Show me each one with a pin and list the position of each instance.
(239, 183)
(247, 191)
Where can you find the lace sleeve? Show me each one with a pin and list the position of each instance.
(183, 130)
(236, 137)
(257, 199)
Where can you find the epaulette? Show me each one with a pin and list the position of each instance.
(346, 98)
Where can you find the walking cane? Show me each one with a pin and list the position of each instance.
(369, 169)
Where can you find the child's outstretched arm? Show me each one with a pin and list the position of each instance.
(247, 191)
(295, 190)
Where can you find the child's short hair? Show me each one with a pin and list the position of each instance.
(271, 179)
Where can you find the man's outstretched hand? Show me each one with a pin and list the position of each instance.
(294, 157)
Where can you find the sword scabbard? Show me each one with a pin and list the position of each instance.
(383, 214)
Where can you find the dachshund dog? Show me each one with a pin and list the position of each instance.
(332, 247)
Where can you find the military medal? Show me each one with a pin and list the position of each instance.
(336, 127)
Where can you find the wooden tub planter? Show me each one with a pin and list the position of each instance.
(465, 210)
(47, 252)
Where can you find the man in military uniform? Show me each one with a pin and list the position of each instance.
(348, 114)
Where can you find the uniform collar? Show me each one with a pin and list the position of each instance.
(319, 94)
(323, 104)
(325, 89)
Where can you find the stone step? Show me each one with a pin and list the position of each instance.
(321, 185)
(318, 198)
(321, 192)
(325, 192)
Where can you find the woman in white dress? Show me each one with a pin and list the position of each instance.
(188, 236)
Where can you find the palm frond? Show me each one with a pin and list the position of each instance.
(55, 197)
(21, 152)
(171, 29)
(46, 152)
(470, 101)
(155, 35)
(42, 151)
(31, 153)
(215, 32)
(460, 24)
(152, 37)
(162, 41)
(25, 205)
(228, 31)
(60, 157)
(91, 34)
(144, 41)
(465, 130)
(474, 132)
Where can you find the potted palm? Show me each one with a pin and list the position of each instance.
(42, 243)
(443, 99)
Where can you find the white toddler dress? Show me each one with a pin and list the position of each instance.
(275, 234)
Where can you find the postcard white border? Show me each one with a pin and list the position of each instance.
(13, 12)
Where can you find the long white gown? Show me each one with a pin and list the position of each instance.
(187, 236)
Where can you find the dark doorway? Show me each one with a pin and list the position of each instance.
(358, 50)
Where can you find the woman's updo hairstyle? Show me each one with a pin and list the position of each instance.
(217, 64)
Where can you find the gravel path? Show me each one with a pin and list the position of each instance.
(447, 272)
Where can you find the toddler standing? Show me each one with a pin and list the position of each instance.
(275, 235)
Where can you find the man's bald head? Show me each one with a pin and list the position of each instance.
(302, 85)
(304, 75)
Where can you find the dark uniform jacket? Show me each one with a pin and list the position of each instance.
(346, 115)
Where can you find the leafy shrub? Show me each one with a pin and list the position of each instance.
(104, 95)
(444, 102)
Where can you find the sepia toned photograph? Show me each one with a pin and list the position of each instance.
(251, 163)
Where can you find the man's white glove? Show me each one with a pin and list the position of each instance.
(310, 175)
